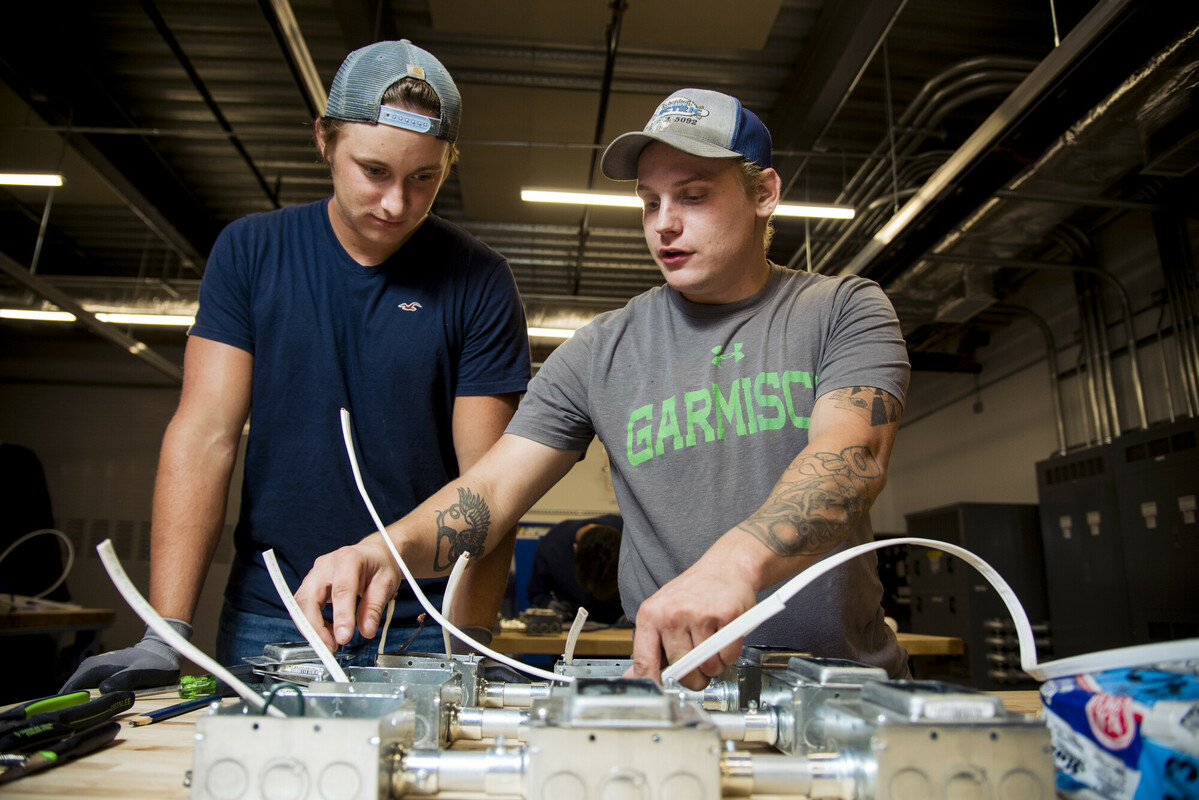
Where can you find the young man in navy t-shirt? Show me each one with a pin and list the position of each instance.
(363, 301)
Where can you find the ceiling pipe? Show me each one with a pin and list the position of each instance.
(102, 329)
(1055, 392)
(287, 32)
(1125, 305)
(168, 37)
(931, 96)
(1034, 91)
(872, 178)
(618, 8)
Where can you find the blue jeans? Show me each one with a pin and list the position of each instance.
(241, 634)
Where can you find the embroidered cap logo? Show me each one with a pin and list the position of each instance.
(675, 110)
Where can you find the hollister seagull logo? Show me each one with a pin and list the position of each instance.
(413, 306)
(677, 110)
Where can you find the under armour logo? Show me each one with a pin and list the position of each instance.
(736, 355)
(413, 306)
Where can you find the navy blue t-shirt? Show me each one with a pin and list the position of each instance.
(394, 344)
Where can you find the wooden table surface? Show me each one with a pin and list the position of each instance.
(55, 620)
(152, 761)
(618, 643)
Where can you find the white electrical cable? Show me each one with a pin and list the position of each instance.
(447, 600)
(66, 570)
(572, 638)
(391, 608)
(1109, 659)
(172, 637)
(297, 616)
(420, 595)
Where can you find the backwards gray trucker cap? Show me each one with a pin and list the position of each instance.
(357, 91)
(697, 121)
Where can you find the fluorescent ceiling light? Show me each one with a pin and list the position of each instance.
(38, 316)
(146, 319)
(552, 333)
(632, 201)
(184, 320)
(813, 210)
(580, 198)
(29, 179)
(115, 318)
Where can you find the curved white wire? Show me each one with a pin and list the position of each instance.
(572, 638)
(169, 635)
(1108, 659)
(420, 595)
(66, 570)
(297, 616)
(391, 607)
(447, 600)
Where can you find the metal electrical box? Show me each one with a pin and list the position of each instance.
(951, 598)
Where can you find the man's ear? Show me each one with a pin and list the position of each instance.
(320, 138)
(770, 189)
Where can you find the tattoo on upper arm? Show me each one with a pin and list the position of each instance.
(461, 528)
(875, 406)
(819, 495)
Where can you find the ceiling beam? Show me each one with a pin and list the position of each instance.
(65, 96)
(838, 50)
(104, 330)
(287, 32)
(1110, 43)
(363, 22)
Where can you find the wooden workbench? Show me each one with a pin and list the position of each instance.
(151, 762)
(618, 643)
(55, 620)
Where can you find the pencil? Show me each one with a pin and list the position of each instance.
(150, 717)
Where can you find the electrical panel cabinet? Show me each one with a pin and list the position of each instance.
(951, 598)
(1157, 480)
(1084, 552)
(1121, 540)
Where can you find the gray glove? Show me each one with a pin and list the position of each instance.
(477, 632)
(151, 662)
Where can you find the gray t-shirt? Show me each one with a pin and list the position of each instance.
(701, 408)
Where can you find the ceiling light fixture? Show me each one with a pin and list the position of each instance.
(818, 210)
(552, 333)
(35, 315)
(183, 320)
(29, 179)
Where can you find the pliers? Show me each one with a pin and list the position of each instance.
(80, 744)
(32, 725)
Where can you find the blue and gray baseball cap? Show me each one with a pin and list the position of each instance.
(365, 75)
(697, 121)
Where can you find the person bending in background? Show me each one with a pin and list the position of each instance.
(575, 564)
(363, 301)
(749, 411)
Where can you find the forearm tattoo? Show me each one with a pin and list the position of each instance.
(818, 496)
(461, 528)
(873, 405)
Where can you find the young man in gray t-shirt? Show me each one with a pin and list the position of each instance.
(748, 412)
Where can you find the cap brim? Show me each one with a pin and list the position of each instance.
(619, 162)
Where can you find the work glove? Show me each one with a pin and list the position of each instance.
(149, 663)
